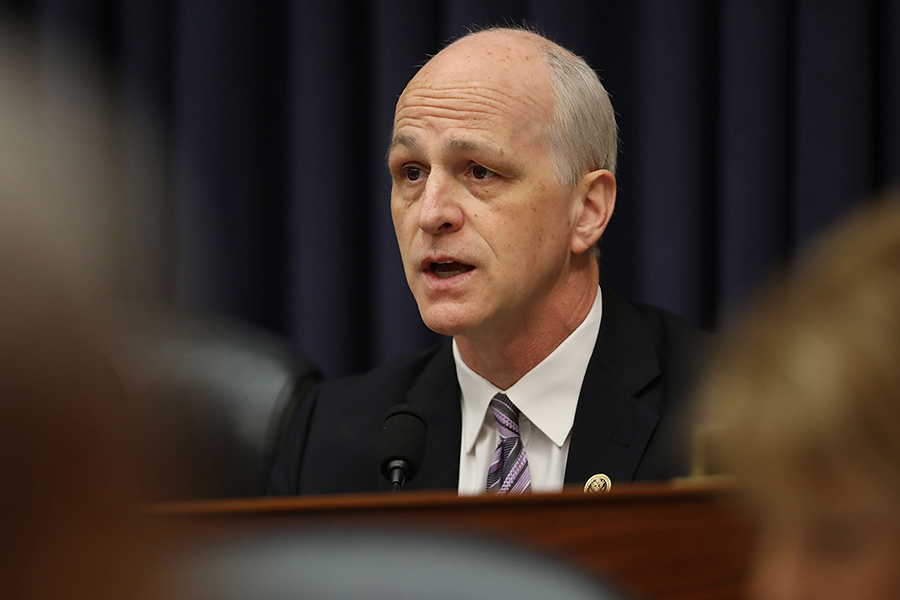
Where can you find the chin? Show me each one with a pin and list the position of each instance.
(444, 327)
(447, 322)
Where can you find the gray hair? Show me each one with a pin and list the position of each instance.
(582, 136)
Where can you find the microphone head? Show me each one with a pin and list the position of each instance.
(402, 438)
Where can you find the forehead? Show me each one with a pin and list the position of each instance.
(490, 81)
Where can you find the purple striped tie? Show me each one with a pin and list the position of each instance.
(509, 469)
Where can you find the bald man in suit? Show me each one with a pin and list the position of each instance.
(503, 159)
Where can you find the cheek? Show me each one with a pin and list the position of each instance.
(549, 227)
(509, 234)
(403, 219)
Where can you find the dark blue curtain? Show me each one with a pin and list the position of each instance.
(747, 127)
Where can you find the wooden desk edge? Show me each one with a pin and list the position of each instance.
(655, 492)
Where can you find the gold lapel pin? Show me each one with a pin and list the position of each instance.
(598, 483)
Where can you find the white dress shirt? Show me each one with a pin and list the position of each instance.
(546, 396)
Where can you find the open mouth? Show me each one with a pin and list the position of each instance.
(449, 268)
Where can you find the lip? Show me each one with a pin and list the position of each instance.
(425, 265)
(444, 282)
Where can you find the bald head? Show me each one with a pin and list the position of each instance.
(577, 119)
(500, 72)
(498, 55)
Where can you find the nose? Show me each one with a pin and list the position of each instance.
(439, 208)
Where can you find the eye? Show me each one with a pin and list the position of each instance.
(479, 172)
(412, 173)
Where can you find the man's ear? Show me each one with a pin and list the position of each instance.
(597, 199)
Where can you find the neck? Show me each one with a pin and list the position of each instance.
(504, 359)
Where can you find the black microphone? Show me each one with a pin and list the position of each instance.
(402, 444)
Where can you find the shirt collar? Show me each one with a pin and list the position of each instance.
(547, 395)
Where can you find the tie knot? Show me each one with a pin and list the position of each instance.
(506, 414)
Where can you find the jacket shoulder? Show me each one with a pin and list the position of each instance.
(332, 440)
(672, 333)
(390, 380)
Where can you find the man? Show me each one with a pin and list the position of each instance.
(503, 158)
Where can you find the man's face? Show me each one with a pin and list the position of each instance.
(484, 229)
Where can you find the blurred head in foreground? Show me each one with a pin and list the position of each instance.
(805, 407)
(67, 491)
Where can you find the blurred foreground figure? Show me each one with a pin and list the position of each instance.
(68, 492)
(805, 406)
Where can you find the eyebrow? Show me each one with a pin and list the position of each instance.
(463, 145)
(403, 139)
(455, 146)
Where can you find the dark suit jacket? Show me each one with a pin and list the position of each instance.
(630, 423)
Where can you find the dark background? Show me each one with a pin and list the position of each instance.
(747, 126)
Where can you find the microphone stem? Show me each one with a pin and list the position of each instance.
(398, 474)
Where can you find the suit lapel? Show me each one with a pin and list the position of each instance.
(436, 393)
(612, 427)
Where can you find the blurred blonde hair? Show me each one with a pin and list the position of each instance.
(811, 379)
